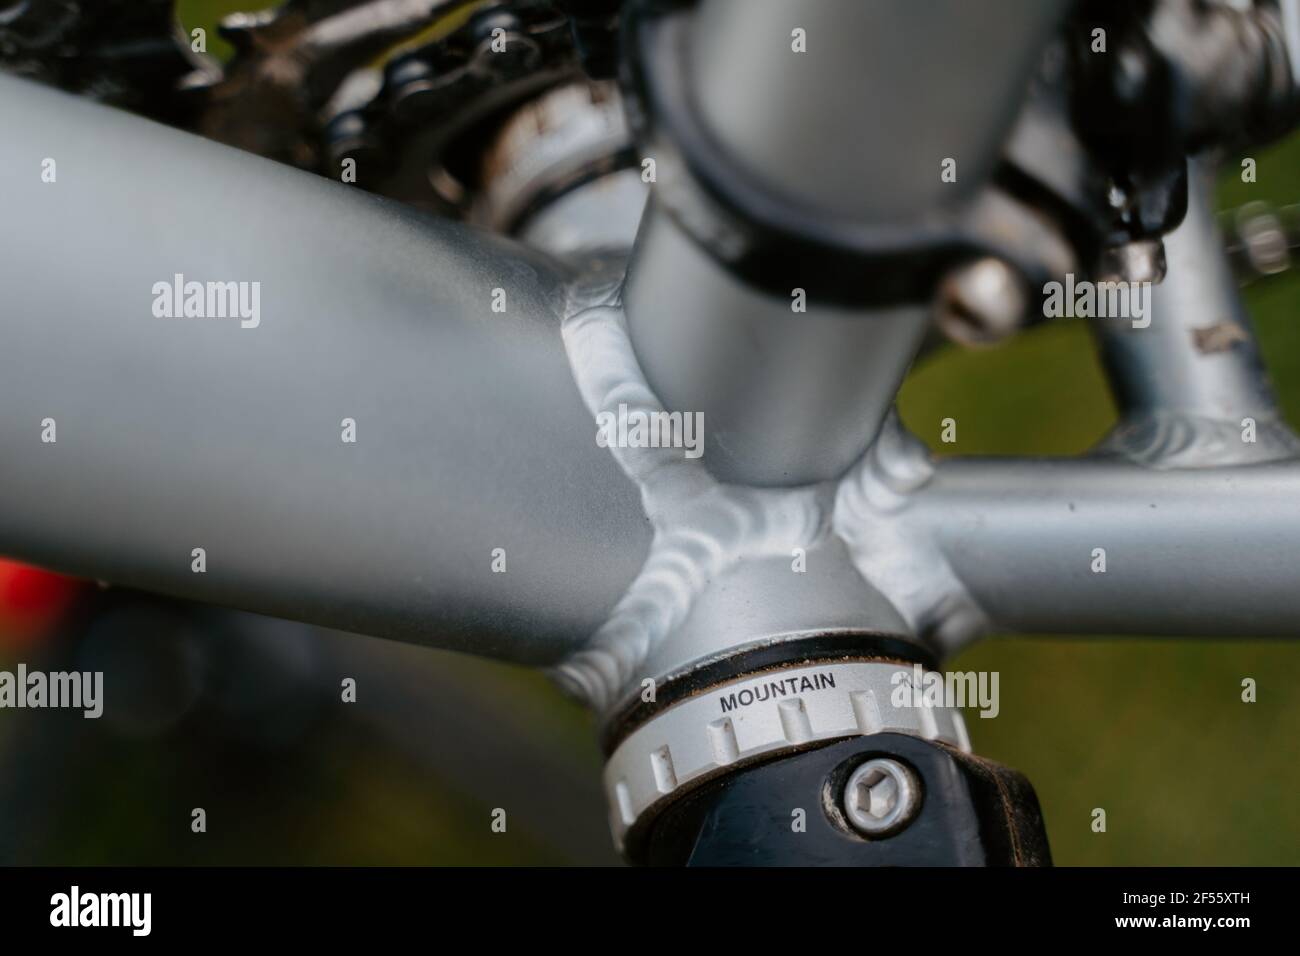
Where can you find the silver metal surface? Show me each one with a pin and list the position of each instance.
(980, 303)
(475, 433)
(795, 396)
(970, 545)
(1186, 381)
(175, 434)
(1187, 552)
(476, 511)
(602, 214)
(891, 116)
(760, 601)
(789, 397)
(702, 528)
(567, 149)
(761, 715)
(1142, 260)
(881, 797)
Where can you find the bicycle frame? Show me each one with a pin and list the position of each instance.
(476, 511)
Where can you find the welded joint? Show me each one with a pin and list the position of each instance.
(702, 527)
(1169, 438)
(897, 556)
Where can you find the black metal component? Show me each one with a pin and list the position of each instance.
(131, 55)
(1174, 78)
(1046, 165)
(421, 138)
(595, 34)
(1099, 199)
(409, 94)
(1153, 81)
(973, 813)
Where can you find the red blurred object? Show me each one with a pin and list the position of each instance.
(32, 601)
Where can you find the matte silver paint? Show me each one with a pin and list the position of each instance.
(1187, 381)
(174, 434)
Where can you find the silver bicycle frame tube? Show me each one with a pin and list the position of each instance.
(472, 434)
(173, 435)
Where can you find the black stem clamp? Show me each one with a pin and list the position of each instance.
(972, 812)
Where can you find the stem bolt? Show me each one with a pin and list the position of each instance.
(981, 303)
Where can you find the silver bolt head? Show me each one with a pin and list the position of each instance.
(980, 303)
(1265, 238)
(881, 797)
(1142, 260)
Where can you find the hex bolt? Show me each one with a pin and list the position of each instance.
(980, 303)
(1142, 260)
(881, 797)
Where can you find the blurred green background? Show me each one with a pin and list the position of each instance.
(1154, 731)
